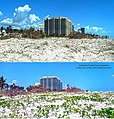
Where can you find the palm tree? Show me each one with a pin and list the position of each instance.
(2, 82)
(6, 86)
(29, 88)
(2, 28)
(12, 87)
(21, 88)
(10, 29)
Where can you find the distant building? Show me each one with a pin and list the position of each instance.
(51, 83)
(41, 27)
(72, 28)
(67, 86)
(83, 30)
(57, 26)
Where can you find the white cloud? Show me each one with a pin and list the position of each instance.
(21, 13)
(24, 9)
(35, 25)
(77, 26)
(94, 29)
(46, 16)
(14, 81)
(22, 19)
(1, 13)
(36, 84)
(7, 21)
(33, 18)
(112, 75)
(97, 29)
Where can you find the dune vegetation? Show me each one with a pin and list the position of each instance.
(54, 105)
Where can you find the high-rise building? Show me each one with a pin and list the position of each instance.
(51, 83)
(57, 26)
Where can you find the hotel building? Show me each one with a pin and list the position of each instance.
(57, 26)
(51, 83)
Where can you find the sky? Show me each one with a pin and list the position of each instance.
(87, 76)
(96, 16)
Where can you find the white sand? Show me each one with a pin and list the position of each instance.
(56, 50)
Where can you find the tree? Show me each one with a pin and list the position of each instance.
(9, 29)
(2, 28)
(3, 84)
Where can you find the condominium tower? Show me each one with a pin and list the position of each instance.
(51, 83)
(57, 26)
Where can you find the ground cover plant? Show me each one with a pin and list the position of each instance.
(58, 105)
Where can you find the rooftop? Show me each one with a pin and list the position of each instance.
(50, 77)
(59, 18)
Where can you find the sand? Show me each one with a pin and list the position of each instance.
(56, 50)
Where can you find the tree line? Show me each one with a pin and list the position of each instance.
(13, 89)
(78, 35)
(36, 34)
(21, 33)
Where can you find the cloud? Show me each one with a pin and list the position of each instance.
(91, 29)
(33, 18)
(112, 75)
(21, 13)
(46, 16)
(36, 84)
(24, 9)
(7, 21)
(14, 81)
(77, 26)
(1, 13)
(95, 29)
(22, 19)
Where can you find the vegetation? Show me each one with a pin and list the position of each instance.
(3, 84)
(36, 34)
(58, 105)
(36, 102)
(10, 90)
(21, 33)
(78, 35)
(104, 112)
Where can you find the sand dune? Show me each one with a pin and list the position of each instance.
(56, 50)
(60, 105)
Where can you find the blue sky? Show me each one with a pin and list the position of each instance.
(96, 16)
(25, 74)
